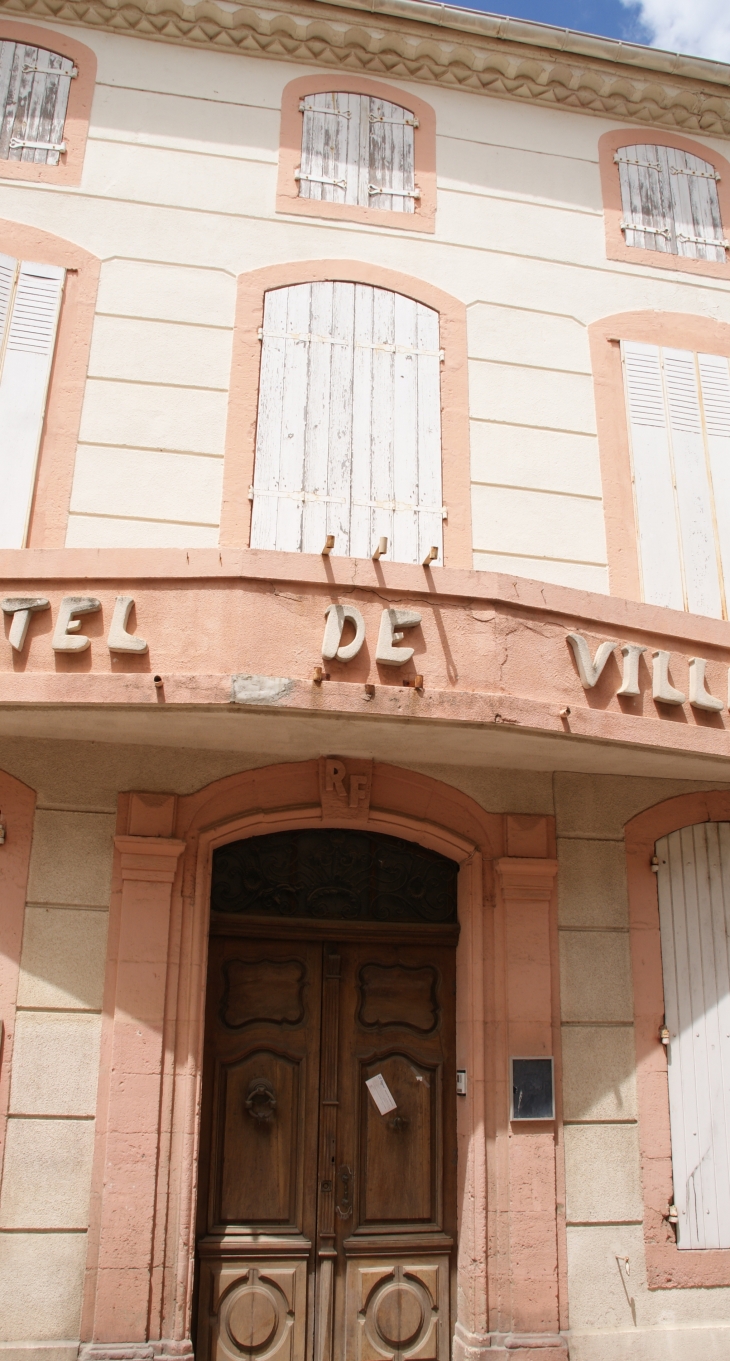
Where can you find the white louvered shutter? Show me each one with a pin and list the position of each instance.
(348, 438)
(715, 387)
(661, 571)
(669, 202)
(30, 299)
(357, 150)
(679, 423)
(694, 909)
(694, 500)
(34, 90)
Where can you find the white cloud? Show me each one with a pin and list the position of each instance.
(697, 27)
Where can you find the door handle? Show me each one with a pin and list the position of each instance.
(344, 1206)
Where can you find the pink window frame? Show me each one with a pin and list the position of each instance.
(616, 248)
(76, 125)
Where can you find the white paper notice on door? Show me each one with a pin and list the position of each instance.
(381, 1094)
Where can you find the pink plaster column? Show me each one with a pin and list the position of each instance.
(130, 1117)
(526, 888)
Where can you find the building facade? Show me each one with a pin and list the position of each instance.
(364, 793)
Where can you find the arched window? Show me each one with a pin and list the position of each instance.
(34, 91)
(693, 874)
(348, 437)
(357, 150)
(669, 202)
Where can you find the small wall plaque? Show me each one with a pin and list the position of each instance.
(533, 1096)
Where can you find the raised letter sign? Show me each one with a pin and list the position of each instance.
(589, 671)
(119, 640)
(699, 695)
(21, 607)
(662, 688)
(336, 616)
(391, 622)
(66, 625)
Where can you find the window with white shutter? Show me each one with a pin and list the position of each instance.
(348, 439)
(359, 150)
(693, 876)
(30, 300)
(678, 406)
(669, 202)
(34, 90)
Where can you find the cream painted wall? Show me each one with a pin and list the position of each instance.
(46, 1176)
(178, 199)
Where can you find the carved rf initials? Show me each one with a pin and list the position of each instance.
(344, 786)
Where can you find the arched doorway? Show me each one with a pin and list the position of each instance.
(327, 1186)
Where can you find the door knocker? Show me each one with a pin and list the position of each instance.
(399, 1122)
(261, 1099)
(344, 1209)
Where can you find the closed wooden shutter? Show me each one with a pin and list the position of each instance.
(669, 202)
(694, 908)
(679, 423)
(348, 439)
(357, 150)
(30, 299)
(34, 90)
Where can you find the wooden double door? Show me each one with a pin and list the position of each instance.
(327, 1207)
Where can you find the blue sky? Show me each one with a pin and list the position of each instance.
(610, 18)
(696, 27)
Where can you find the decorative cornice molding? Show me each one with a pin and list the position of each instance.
(421, 50)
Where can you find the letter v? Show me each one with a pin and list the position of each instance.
(589, 671)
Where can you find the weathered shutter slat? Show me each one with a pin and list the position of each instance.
(694, 502)
(361, 521)
(269, 422)
(644, 197)
(430, 521)
(382, 398)
(714, 376)
(339, 462)
(653, 481)
(405, 431)
(295, 414)
(348, 430)
(695, 205)
(317, 419)
(26, 367)
(7, 67)
(694, 902)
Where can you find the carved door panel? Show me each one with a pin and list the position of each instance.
(256, 1225)
(394, 1215)
(326, 1223)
